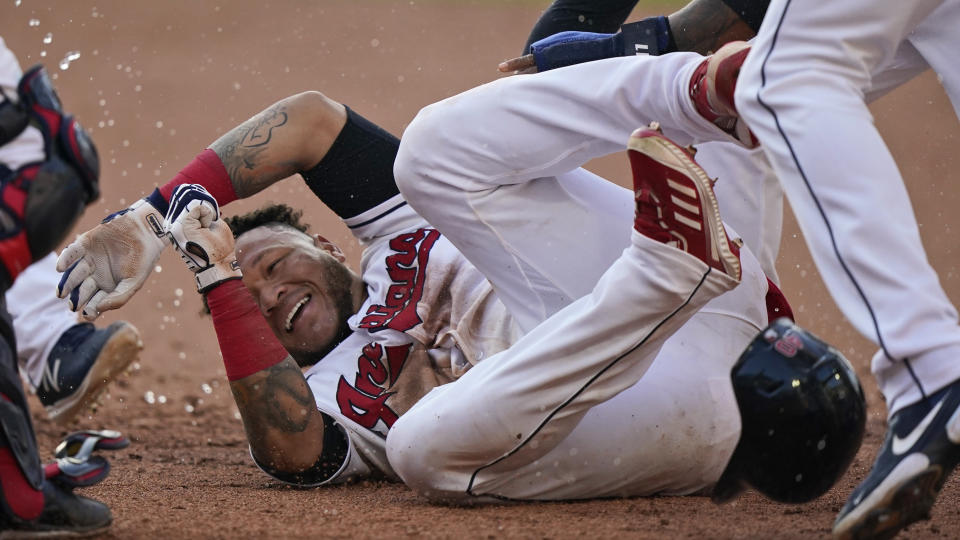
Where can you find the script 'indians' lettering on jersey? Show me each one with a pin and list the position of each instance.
(407, 267)
(365, 402)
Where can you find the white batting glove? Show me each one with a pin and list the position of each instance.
(202, 239)
(106, 265)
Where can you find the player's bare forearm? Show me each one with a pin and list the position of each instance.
(704, 26)
(290, 136)
(283, 425)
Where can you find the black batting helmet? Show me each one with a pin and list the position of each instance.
(803, 417)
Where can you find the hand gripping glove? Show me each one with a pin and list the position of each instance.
(202, 239)
(106, 265)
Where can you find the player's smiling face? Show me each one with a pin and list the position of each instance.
(301, 285)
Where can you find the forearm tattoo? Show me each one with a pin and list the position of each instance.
(278, 400)
(250, 158)
(704, 26)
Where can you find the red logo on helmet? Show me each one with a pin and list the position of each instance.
(788, 345)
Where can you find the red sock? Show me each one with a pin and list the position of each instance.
(777, 304)
(207, 170)
(246, 342)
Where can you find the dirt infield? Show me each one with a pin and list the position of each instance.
(159, 81)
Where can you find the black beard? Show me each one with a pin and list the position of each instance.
(338, 287)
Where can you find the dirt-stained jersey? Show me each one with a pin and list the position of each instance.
(428, 317)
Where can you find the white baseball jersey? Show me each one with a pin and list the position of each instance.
(428, 317)
(803, 91)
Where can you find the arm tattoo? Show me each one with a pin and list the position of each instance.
(262, 131)
(244, 152)
(278, 401)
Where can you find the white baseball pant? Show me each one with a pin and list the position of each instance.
(803, 91)
(599, 400)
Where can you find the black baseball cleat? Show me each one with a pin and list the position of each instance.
(81, 364)
(64, 515)
(921, 450)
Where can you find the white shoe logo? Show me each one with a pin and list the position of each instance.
(900, 446)
(50, 376)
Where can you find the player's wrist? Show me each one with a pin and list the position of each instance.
(651, 36)
(217, 274)
(246, 342)
(207, 170)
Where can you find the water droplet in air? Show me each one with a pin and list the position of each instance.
(70, 57)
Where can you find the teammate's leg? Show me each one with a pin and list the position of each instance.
(845, 188)
(511, 198)
(802, 92)
(39, 317)
(30, 504)
(67, 363)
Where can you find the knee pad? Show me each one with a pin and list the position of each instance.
(41, 201)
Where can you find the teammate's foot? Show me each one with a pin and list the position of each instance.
(81, 364)
(712, 86)
(675, 201)
(921, 449)
(64, 515)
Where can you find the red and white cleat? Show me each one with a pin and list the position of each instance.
(675, 201)
(712, 86)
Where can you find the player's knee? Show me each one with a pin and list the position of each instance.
(417, 157)
(417, 459)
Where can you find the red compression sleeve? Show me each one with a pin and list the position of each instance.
(246, 342)
(207, 170)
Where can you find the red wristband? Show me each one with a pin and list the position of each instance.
(207, 170)
(246, 342)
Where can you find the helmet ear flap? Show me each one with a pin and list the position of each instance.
(802, 413)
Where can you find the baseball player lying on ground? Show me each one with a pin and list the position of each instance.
(576, 408)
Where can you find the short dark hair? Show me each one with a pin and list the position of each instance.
(271, 214)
